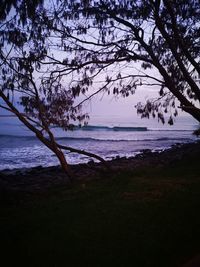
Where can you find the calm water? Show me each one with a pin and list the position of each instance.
(107, 137)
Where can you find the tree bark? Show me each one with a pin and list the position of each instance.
(195, 112)
(51, 145)
(63, 162)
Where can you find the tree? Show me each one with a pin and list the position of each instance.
(114, 36)
(54, 52)
(27, 74)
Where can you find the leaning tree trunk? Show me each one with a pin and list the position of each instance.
(50, 143)
(63, 162)
(192, 110)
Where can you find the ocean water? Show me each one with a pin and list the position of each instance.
(108, 137)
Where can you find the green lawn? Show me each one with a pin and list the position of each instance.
(149, 218)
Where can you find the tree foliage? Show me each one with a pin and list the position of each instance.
(128, 44)
(30, 75)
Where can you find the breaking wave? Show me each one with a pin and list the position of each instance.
(107, 128)
(93, 139)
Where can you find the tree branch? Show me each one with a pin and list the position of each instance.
(187, 76)
(83, 152)
(179, 38)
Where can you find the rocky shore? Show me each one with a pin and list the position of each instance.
(40, 179)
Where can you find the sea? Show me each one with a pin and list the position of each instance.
(109, 137)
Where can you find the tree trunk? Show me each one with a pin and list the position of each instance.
(195, 112)
(64, 165)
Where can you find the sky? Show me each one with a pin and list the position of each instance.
(108, 110)
(117, 110)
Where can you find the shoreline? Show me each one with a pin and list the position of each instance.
(40, 179)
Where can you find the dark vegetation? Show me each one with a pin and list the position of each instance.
(147, 216)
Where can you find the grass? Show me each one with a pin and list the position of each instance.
(149, 218)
